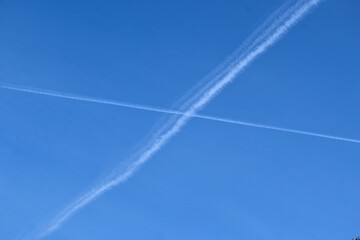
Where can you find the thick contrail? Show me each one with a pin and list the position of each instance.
(273, 33)
(169, 111)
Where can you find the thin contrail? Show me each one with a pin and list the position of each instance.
(169, 111)
(284, 23)
(87, 99)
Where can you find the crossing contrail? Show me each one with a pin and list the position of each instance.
(168, 111)
(86, 99)
(256, 47)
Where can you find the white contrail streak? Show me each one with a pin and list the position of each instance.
(273, 34)
(289, 130)
(169, 111)
(87, 99)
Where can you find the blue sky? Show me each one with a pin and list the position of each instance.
(213, 180)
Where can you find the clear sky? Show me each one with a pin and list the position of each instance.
(213, 180)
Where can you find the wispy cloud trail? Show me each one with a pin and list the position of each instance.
(169, 111)
(284, 23)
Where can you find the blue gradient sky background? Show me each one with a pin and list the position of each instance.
(213, 180)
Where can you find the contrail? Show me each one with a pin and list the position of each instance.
(169, 111)
(87, 99)
(257, 47)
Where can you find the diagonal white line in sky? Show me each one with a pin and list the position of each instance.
(258, 46)
(168, 111)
